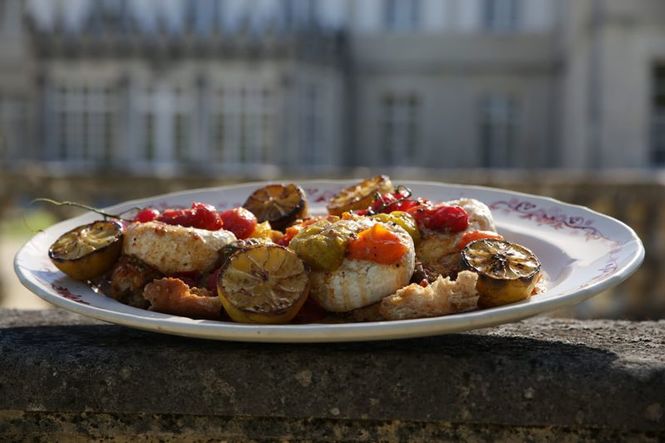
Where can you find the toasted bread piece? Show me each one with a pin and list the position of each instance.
(440, 298)
(173, 296)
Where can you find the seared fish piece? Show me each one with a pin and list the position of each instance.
(174, 249)
(358, 283)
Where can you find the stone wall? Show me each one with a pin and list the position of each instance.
(634, 199)
(66, 378)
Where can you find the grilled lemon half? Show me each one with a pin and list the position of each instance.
(279, 204)
(263, 283)
(507, 272)
(360, 195)
(88, 251)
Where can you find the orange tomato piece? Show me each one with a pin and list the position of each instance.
(291, 232)
(377, 244)
(294, 230)
(470, 236)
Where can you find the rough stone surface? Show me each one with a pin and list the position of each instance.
(542, 379)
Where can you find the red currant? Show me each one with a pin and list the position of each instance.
(200, 215)
(147, 214)
(395, 201)
(175, 217)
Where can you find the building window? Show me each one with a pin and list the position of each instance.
(180, 132)
(148, 108)
(226, 125)
(182, 121)
(499, 131)
(14, 138)
(148, 151)
(100, 122)
(109, 134)
(219, 136)
(85, 122)
(300, 13)
(243, 125)
(401, 15)
(311, 145)
(399, 129)
(266, 120)
(310, 12)
(658, 116)
(501, 15)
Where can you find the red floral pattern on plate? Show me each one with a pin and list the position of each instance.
(69, 295)
(552, 217)
(318, 196)
(555, 218)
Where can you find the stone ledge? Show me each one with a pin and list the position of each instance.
(49, 427)
(62, 374)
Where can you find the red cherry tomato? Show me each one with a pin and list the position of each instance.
(240, 221)
(146, 215)
(405, 205)
(421, 212)
(175, 217)
(446, 218)
(206, 217)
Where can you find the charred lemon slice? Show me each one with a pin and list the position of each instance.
(228, 250)
(507, 272)
(88, 251)
(264, 283)
(278, 204)
(360, 195)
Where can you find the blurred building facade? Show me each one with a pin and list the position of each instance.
(241, 85)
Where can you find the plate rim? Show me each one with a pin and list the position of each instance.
(343, 332)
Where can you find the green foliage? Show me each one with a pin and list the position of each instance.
(25, 223)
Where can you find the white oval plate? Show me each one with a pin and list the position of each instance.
(583, 252)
